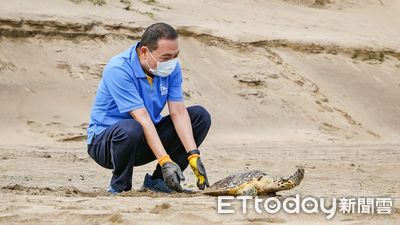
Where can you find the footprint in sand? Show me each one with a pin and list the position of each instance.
(267, 220)
(160, 208)
(115, 218)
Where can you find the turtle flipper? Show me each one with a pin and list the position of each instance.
(249, 190)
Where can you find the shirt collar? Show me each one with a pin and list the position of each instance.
(137, 68)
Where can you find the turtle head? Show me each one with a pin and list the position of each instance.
(286, 183)
(282, 183)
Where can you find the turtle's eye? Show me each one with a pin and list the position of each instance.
(259, 178)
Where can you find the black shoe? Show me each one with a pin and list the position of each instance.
(156, 185)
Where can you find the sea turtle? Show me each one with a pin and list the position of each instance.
(254, 183)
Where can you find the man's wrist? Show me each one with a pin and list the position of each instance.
(164, 159)
(193, 154)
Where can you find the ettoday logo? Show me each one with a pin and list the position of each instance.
(308, 205)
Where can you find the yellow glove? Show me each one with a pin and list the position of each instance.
(198, 169)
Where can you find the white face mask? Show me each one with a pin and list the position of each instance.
(163, 69)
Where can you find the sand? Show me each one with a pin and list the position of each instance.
(289, 84)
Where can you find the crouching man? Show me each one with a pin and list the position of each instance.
(126, 128)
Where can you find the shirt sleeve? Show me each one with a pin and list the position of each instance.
(175, 92)
(122, 89)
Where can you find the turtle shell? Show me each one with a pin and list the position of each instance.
(234, 181)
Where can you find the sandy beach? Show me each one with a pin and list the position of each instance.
(289, 84)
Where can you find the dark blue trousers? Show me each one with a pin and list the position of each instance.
(122, 146)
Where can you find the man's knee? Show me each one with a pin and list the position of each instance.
(201, 113)
(130, 129)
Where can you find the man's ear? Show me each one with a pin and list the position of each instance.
(143, 50)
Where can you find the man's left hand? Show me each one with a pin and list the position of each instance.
(198, 169)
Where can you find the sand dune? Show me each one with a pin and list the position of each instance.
(268, 78)
(289, 84)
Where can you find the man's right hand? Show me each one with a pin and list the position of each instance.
(172, 173)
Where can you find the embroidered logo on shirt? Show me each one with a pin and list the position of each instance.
(163, 89)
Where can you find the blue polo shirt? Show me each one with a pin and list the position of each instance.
(124, 87)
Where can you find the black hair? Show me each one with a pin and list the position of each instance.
(156, 32)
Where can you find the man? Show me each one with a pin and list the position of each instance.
(126, 128)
